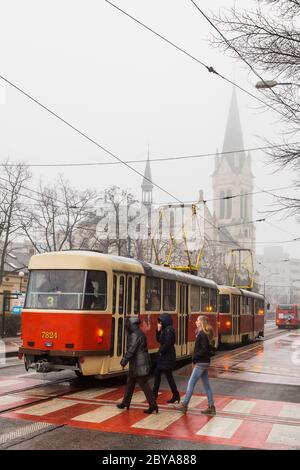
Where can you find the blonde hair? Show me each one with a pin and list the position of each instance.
(206, 327)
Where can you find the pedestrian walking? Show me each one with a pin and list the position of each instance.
(139, 365)
(201, 361)
(166, 356)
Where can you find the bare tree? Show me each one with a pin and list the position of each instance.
(12, 180)
(119, 202)
(266, 38)
(62, 218)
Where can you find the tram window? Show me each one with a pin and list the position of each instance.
(137, 296)
(114, 294)
(121, 295)
(204, 299)
(95, 291)
(248, 306)
(213, 300)
(224, 303)
(195, 299)
(112, 338)
(259, 307)
(153, 293)
(120, 337)
(169, 295)
(129, 295)
(56, 289)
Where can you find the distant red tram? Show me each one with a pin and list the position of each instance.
(77, 302)
(288, 316)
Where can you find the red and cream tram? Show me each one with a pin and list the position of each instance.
(288, 316)
(241, 315)
(77, 302)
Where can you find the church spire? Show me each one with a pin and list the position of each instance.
(147, 185)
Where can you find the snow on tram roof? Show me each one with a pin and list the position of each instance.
(167, 273)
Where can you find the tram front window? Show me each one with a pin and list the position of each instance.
(224, 304)
(66, 290)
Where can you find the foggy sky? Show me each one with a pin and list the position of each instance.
(127, 89)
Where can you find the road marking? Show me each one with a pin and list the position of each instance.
(290, 411)
(7, 399)
(158, 422)
(8, 383)
(49, 407)
(99, 414)
(220, 427)
(92, 393)
(194, 401)
(240, 406)
(284, 434)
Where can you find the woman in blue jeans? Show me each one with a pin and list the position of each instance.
(201, 361)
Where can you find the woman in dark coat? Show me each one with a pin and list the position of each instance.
(166, 356)
(139, 365)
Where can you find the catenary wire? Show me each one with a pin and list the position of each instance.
(208, 68)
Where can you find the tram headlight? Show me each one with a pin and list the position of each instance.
(228, 324)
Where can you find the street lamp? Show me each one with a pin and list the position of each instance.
(271, 83)
(21, 275)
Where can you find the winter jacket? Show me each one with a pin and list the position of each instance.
(137, 350)
(166, 356)
(202, 349)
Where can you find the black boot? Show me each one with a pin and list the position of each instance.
(175, 398)
(121, 406)
(152, 408)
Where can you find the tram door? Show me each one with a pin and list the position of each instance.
(126, 302)
(183, 319)
(236, 315)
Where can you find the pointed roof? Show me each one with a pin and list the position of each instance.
(233, 139)
(147, 184)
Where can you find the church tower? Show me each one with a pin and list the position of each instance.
(233, 176)
(147, 186)
(147, 190)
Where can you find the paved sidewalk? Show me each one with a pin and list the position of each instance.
(10, 347)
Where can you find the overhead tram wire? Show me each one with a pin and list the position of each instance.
(217, 242)
(155, 160)
(229, 44)
(207, 67)
(84, 135)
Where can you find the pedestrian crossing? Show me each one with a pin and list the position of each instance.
(240, 421)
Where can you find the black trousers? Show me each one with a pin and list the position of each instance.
(143, 383)
(170, 379)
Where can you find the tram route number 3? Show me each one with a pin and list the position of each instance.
(49, 335)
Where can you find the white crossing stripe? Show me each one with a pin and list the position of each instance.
(284, 434)
(139, 397)
(158, 422)
(240, 406)
(48, 407)
(290, 411)
(7, 383)
(194, 401)
(92, 393)
(220, 427)
(7, 399)
(99, 414)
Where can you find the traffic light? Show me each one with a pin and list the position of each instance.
(194, 209)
